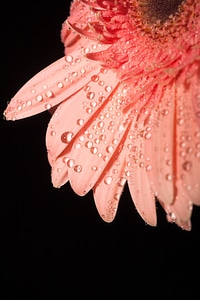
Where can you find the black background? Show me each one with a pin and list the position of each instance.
(54, 245)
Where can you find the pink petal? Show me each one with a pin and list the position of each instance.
(180, 211)
(77, 112)
(159, 147)
(143, 196)
(110, 185)
(137, 165)
(174, 150)
(53, 84)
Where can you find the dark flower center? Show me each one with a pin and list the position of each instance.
(159, 10)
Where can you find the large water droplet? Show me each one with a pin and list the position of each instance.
(66, 137)
(187, 166)
(122, 181)
(70, 163)
(49, 94)
(80, 122)
(78, 168)
(108, 180)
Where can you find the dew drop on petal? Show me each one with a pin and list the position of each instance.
(148, 168)
(49, 94)
(117, 196)
(48, 106)
(78, 168)
(108, 180)
(88, 144)
(69, 58)
(187, 166)
(95, 78)
(90, 95)
(169, 177)
(29, 103)
(148, 136)
(65, 159)
(70, 163)
(109, 149)
(52, 133)
(66, 137)
(122, 181)
(94, 168)
(39, 98)
(60, 85)
(108, 88)
(80, 122)
(94, 150)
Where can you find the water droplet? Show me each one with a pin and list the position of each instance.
(49, 94)
(100, 124)
(197, 134)
(60, 85)
(97, 141)
(187, 166)
(180, 121)
(105, 158)
(69, 58)
(108, 88)
(65, 159)
(48, 106)
(169, 177)
(39, 98)
(89, 110)
(74, 74)
(82, 71)
(52, 133)
(70, 163)
(108, 180)
(88, 144)
(95, 78)
(149, 167)
(94, 168)
(198, 145)
(102, 137)
(101, 83)
(94, 150)
(122, 181)
(117, 196)
(171, 217)
(128, 173)
(29, 102)
(80, 122)
(148, 136)
(110, 149)
(90, 95)
(66, 137)
(78, 168)
(93, 104)
(77, 146)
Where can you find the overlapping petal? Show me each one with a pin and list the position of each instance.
(54, 84)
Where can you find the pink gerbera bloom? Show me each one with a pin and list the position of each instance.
(125, 101)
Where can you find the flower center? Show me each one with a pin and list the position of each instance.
(159, 10)
(162, 20)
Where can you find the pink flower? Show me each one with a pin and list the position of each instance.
(125, 101)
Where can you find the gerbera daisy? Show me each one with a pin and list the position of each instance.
(125, 104)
